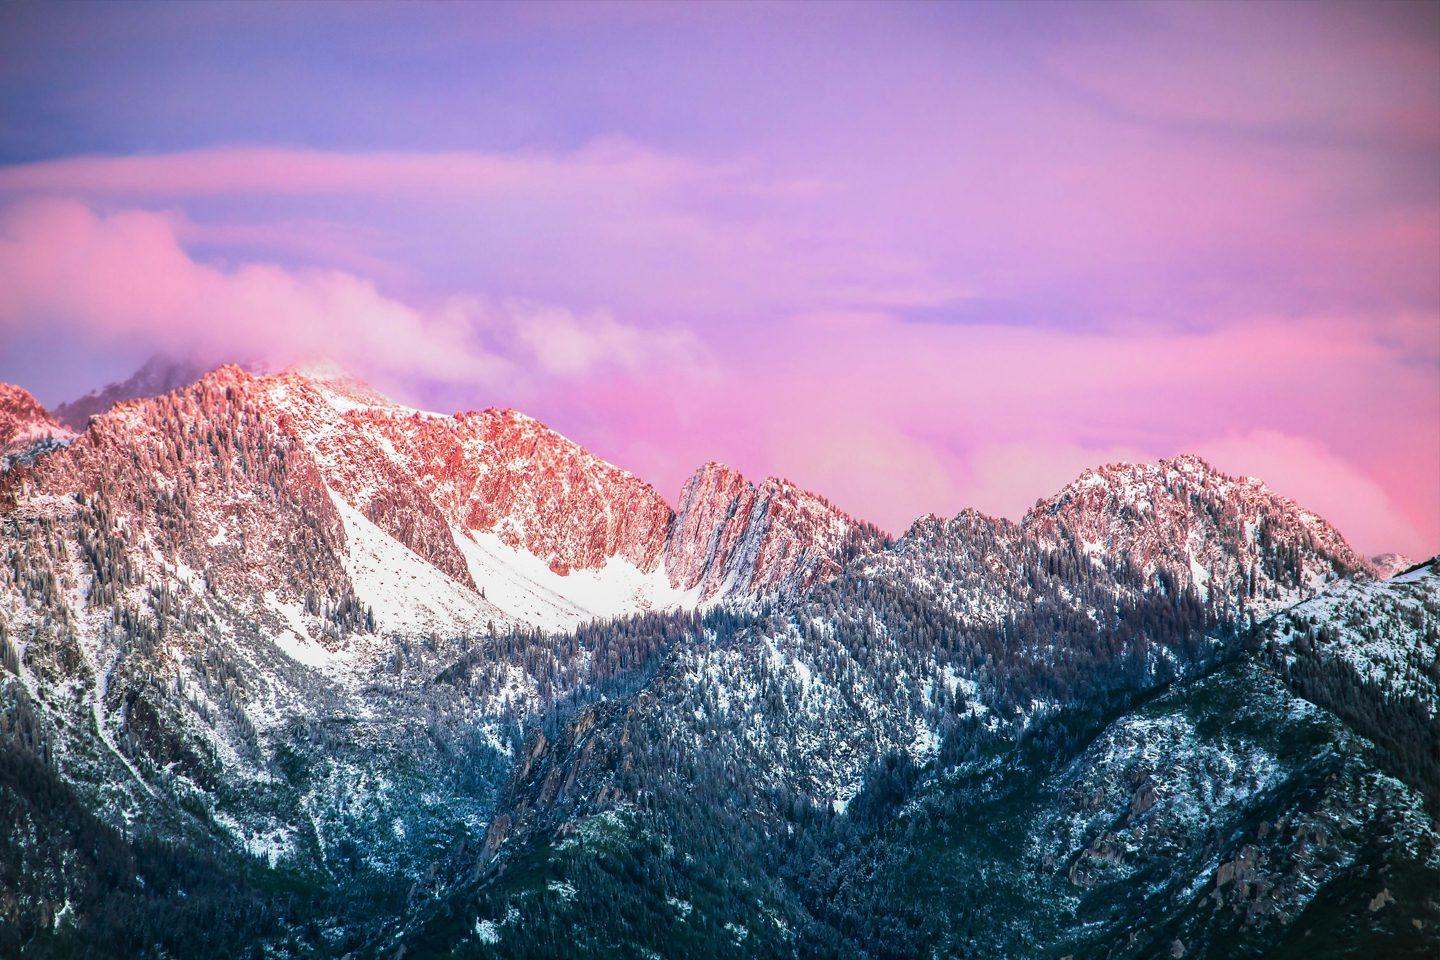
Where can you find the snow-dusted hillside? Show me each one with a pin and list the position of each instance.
(1371, 652)
(967, 624)
(203, 574)
(1387, 632)
(970, 744)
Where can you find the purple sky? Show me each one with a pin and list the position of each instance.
(914, 257)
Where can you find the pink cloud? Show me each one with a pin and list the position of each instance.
(126, 274)
(613, 165)
(893, 419)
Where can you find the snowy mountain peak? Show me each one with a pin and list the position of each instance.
(1196, 524)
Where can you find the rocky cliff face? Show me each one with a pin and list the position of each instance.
(731, 537)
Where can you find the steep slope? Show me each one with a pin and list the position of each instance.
(731, 537)
(495, 500)
(26, 430)
(1371, 653)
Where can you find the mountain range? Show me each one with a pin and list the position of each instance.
(290, 669)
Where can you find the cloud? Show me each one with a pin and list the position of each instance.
(613, 166)
(892, 419)
(124, 275)
(565, 344)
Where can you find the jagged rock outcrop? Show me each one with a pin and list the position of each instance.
(731, 537)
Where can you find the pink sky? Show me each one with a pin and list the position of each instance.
(916, 258)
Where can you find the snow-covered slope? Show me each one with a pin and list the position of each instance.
(1371, 652)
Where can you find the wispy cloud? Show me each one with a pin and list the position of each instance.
(123, 275)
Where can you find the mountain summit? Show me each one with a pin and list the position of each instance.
(1199, 527)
